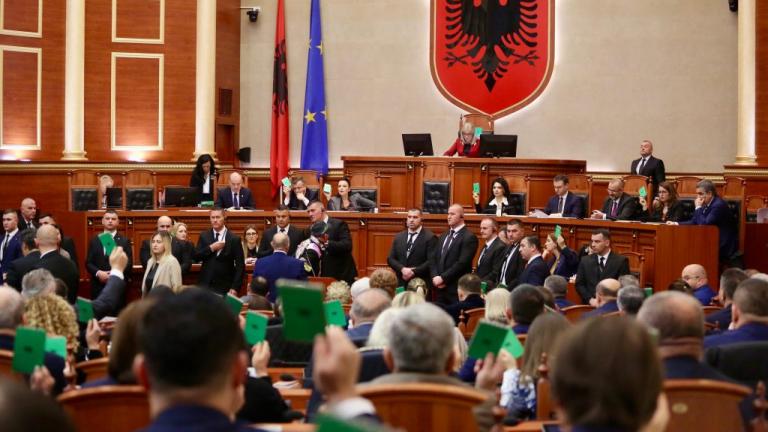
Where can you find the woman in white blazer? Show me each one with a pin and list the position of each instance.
(162, 267)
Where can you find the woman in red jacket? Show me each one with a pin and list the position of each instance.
(467, 144)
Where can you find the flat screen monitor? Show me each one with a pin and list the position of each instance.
(417, 144)
(498, 145)
(114, 197)
(181, 196)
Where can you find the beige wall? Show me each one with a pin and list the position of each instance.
(624, 70)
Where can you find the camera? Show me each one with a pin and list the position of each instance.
(253, 13)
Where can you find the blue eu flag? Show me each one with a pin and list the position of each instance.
(314, 137)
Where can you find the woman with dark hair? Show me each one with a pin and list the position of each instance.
(344, 201)
(203, 177)
(666, 206)
(561, 259)
(250, 242)
(499, 203)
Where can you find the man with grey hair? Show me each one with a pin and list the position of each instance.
(629, 280)
(12, 316)
(713, 210)
(359, 286)
(679, 321)
(630, 299)
(421, 351)
(559, 287)
(38, 281)
(365, 309)
(750, 315)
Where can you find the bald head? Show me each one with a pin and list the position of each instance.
(281, 242)
(164, 223)
(28, 208)
(608, 288)
(674, 314)
(235, 181)
(11, 308)
(368, 305)
(47, 237)
(695, 275)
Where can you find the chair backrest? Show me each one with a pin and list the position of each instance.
(424, 407)
(94, 369)
(580, 185)
(574, 313)
(469, 319)
(6, 370)
(633, 183)
(762, 215)
(700, 405)
(437, 195)
(519, 191)
(277, 372)
(735, 195)
(478, 120)
(686, 185)
(107, 408)
(298, 398)
(83, 190)
(223, 179)
(636, 265)
(754, 203)
(709, 310)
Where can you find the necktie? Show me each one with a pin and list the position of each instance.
(560, 205)
(482, 252)
(236, 200)
(411, 236)
(641, 166)
(614, 208)
(282, 230)
(602, 264)
(6, 240)
(215, 236)
(448, 241)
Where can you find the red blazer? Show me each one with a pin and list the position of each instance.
(458, 147)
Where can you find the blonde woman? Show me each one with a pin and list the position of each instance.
(496, 303)
(162, 267)
(407, 298)
(338, 290)
(54, 315)
(180, 232)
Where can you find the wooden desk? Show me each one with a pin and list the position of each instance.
(399, 179)
(667, 249)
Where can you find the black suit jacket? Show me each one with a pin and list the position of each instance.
(21, 266)
(493, 209)
(572, 207)
(295, 234)
(454, 263)
(69, 245)
(472, 301)
(513, 270)
(490, 260)
(337, 261)
(654, 168)
(63, 269)
(745, 361)
(23, 223)
(589, 273)
(627, 210)
(674, 213)
(224, 200)
(221, 271)
(182, 254)
(96, 260)
(295, 204)
(534, 273)
(198, 182)
(419, 259)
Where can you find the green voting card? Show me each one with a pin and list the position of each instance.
(286, 182)
(84, 310)
(488, 338)
(642, 192)
(512, 344)
(56, 345)
(108, 242)
(484, 287)
(334, 313)
(328, 423)
(478, 131)
(327, 188)
(399, 290)
(648, 291)
(28, 349)
(255, 327)
(235, 304)
(303, 311)
(558, 232)
(476, 188)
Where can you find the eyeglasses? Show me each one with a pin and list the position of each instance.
(251, 234)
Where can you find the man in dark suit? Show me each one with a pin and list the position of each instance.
(679, 323)
(337, 261)
(558, 285)
(283, 225)
(695, 275)
(66, 243)
(535, 270)
(729, 280)
(298, 196)
(750, 315)
(746, 362)
(182, 255)
(713, 210)
(508, 269)
(10, 247)
(28, 214)
(649, 166)
(97, 262)
(618, 205)
(19, 267)
(279, 265)
(50, 259)
(409, 256)
(602, 264)
(563, 202)
(470, 296)
(453, 256)
(222, 256)
(236, 196)
(492, 251)
(606, 301)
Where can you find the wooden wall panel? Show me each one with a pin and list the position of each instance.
(761, 77)
(21, 15)
(228, 20)
(138, 19)
(20, 102)
(51, 43)
(138, 93)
